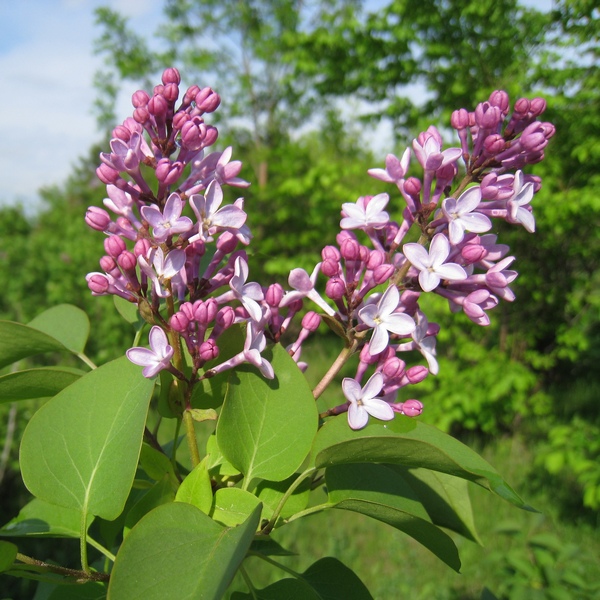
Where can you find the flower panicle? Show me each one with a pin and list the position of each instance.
(177, 250)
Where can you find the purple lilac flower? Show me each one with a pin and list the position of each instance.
(383, 320)
(431, 265)
(155, 359)
(461, 217)
(363, 401)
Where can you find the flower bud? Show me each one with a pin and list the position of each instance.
(417, 373)
(98, 283)
(108, 264)
(412, 186)
(460, 119)
(412, 408)
(208, 350)
(382, 273)
(127, 261)
(207, 100)
(499, 98)
(168, 172)
(142, 247)
(330, 268)
(225, 317)
(179, 322)
(114, 245)
(97, 218)
(335, 288)
(274, 294)
(393, 368)
(227, 242)
(330, 253)
(171, 75)
(140, 99)
(311, 321)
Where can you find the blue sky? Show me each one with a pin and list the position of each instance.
(46, 70)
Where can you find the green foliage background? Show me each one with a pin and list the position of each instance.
(533, 372)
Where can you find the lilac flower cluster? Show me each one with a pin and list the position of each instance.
(173, 248)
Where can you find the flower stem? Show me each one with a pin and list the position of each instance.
(190, 434)
(335, 368)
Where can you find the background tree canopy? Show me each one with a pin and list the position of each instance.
(304, 86)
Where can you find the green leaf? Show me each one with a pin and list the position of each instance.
(327, 579)
(65, 323)
(196, 488)
(89, 436)
(161, 492)
(36, 383)
(8, 553)
(20, 341)
(232, 506)
(379, 492)
(129, 311)
(445, 498)
(410, 443)
(271, 492)
(266, 427)
(41, 519)
(178, 550)
(269, 547)
(89, 591)
(156, 464)
(217, 464)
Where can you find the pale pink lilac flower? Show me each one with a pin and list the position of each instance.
(363, 401)
(210, 217)
(160, 269)
(431, 265)
(395, 169)
(304, 287)
(461, 217)
(382, 318)
(249, 294)
(154, 359)
(365, 213)
(517, 205)
(168, 222)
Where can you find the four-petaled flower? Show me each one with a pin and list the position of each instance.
(162, 268)
(432, 265)
(157, 357)
(366, 213)
(210, 217)
(382, 318)
(518, 205)
(169, 221)
(363, 402)
(461, 217)
(247, 293)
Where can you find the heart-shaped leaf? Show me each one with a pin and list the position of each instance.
(379, 492)
(20, 341)
(327, 579)
(266, 427)
(81, 449)
(410, 443)
(65, 323)
(196, 488)
(178, 550)
(41, 519)
(36, 383)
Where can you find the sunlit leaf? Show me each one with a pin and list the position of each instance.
(410, 443)
(80, 450)
(378, 492)
(178, 550)
(196, 488)
(20, 341)
(232, 506)
(266, 427)
(36, 383)
(65, 323)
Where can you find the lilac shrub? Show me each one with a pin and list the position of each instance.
(189, 276)
(223, 347)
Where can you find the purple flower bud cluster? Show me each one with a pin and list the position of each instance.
(172, 247)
